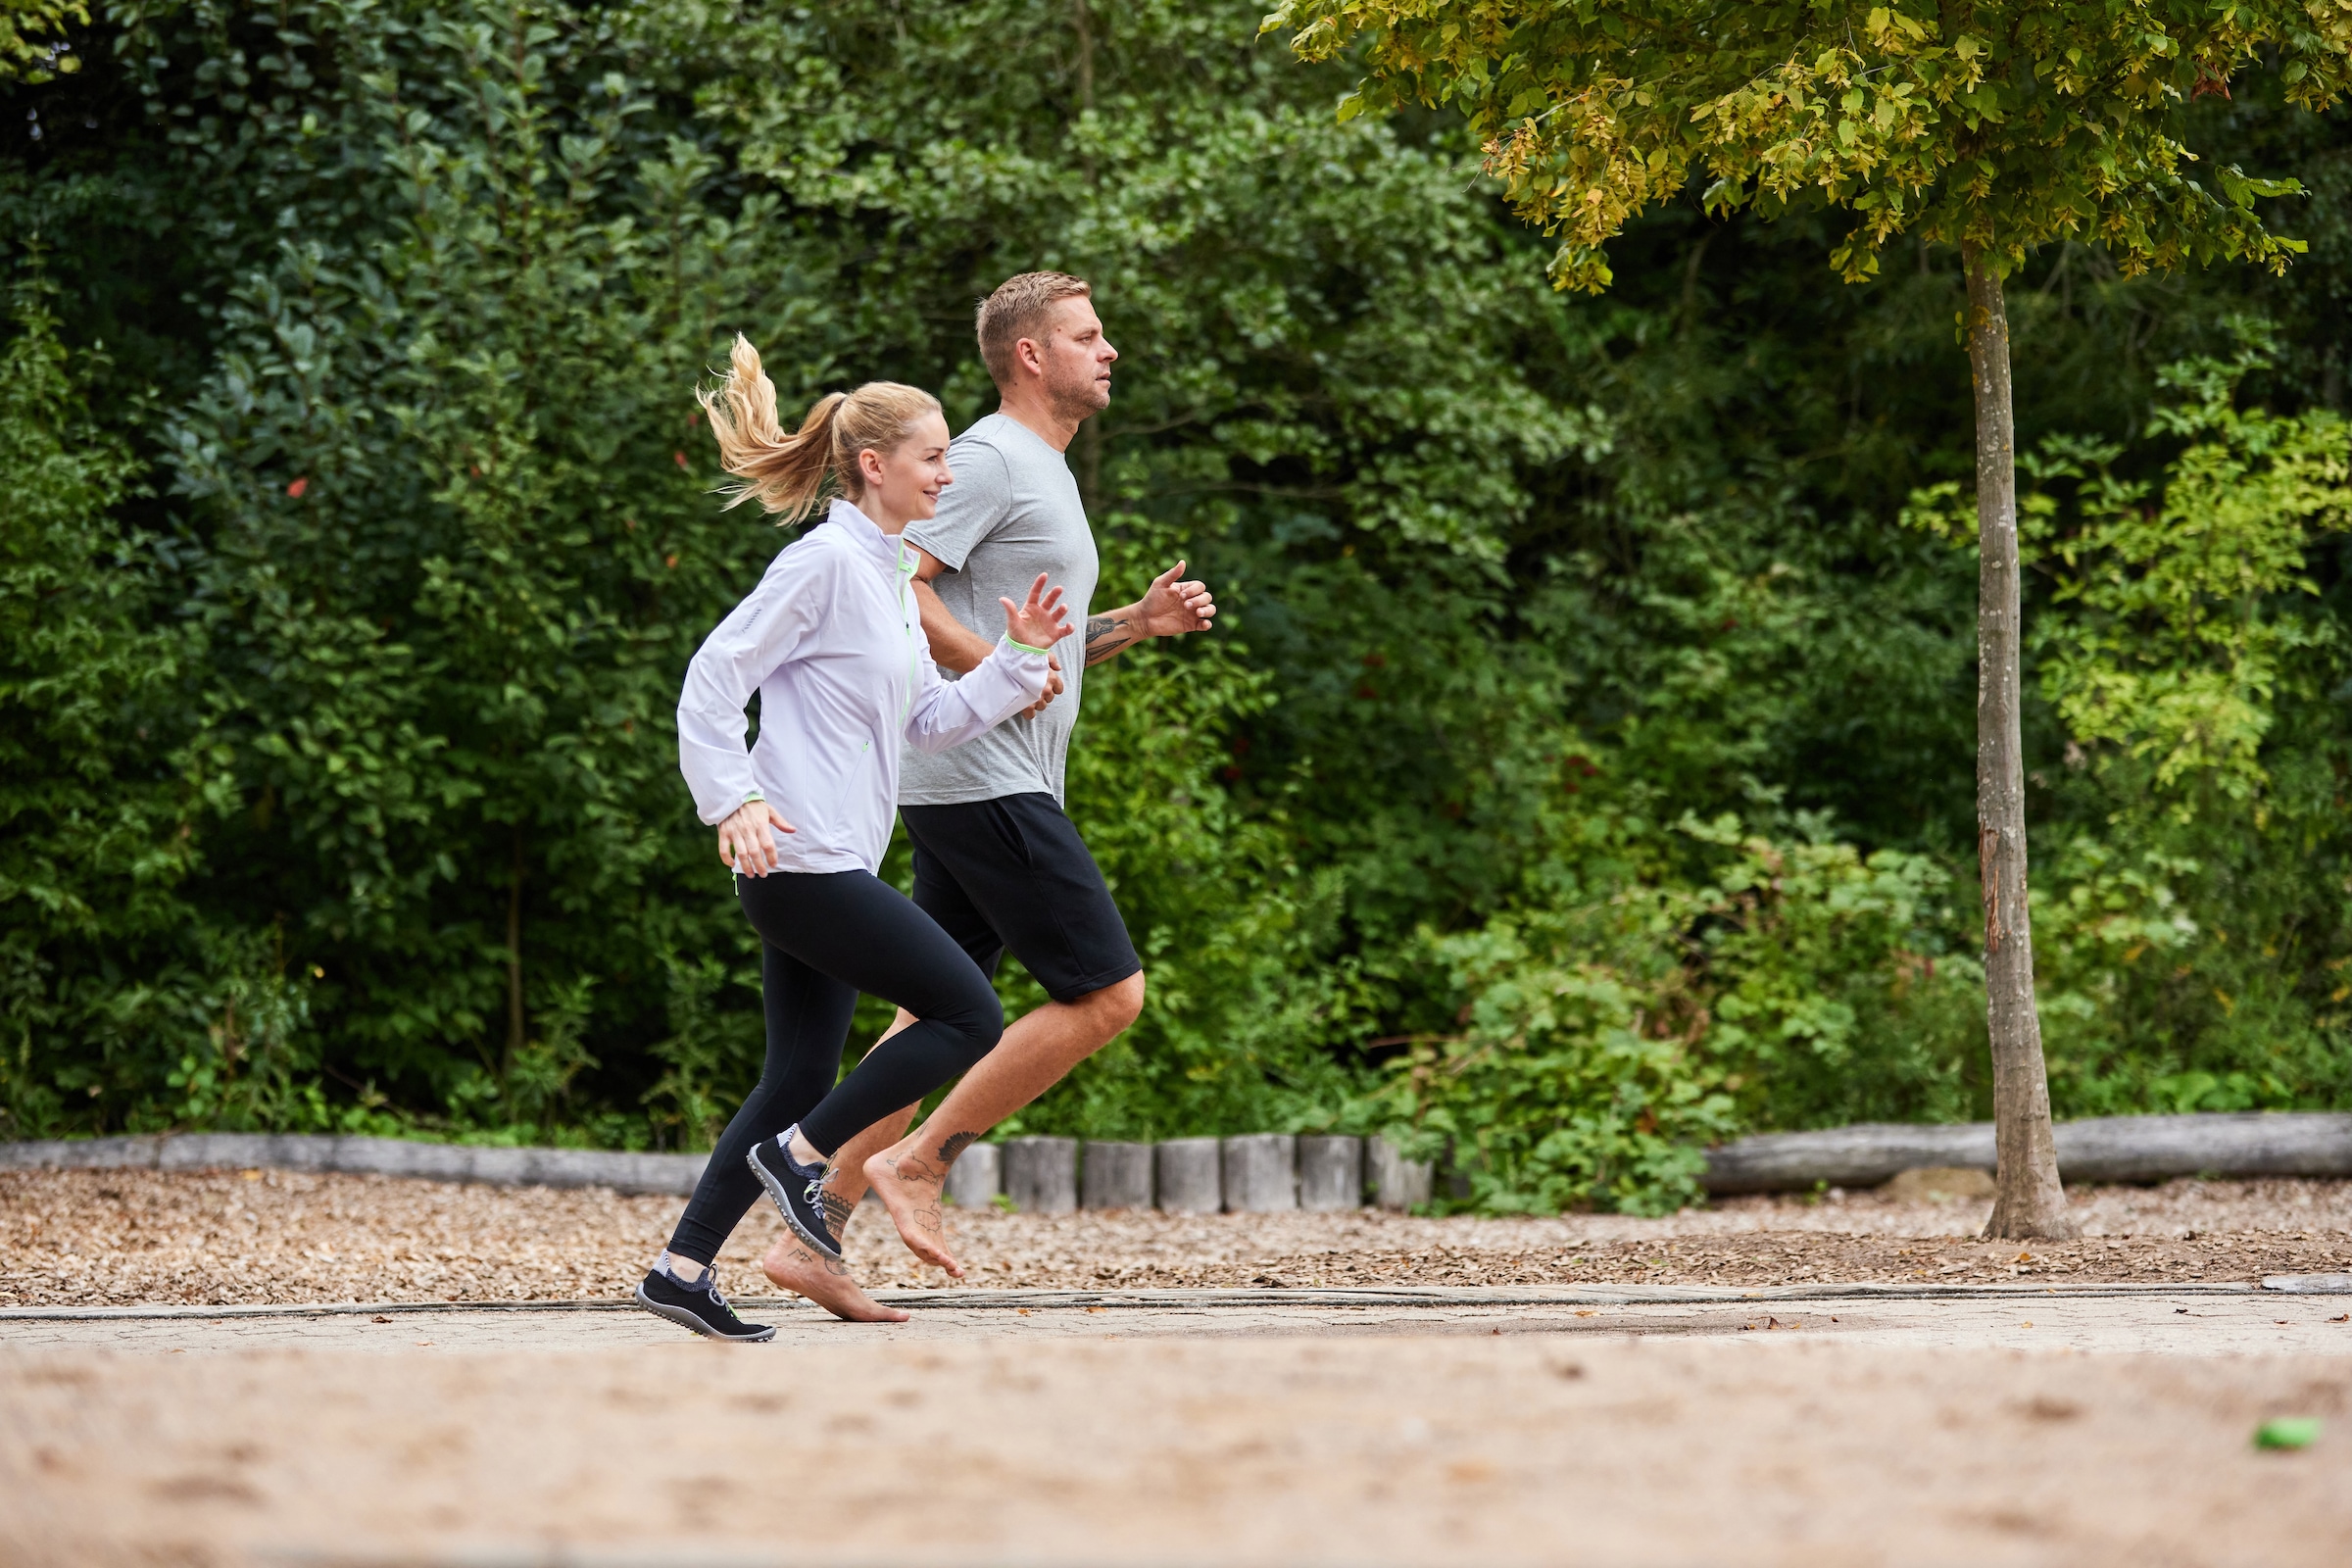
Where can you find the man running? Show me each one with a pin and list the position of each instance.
(996, 863)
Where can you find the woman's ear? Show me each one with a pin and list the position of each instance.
(869, 469)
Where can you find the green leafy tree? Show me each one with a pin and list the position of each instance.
(456, 540)
(1516, 581)
(94, 831)
(1286, 418)
(2183, 648)
(1993, 128)
(2168, 645)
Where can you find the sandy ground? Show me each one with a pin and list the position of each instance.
(74, 1237)
(1488, 1449)
(1507, 1410)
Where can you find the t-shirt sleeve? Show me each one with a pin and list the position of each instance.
(972, 508)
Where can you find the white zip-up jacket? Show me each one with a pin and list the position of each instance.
(832, 643)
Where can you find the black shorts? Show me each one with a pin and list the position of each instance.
(1012, 872)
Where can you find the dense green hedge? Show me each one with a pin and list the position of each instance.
(1584, 769)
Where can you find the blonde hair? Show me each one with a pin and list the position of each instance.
(788, 474)
(1016, 311)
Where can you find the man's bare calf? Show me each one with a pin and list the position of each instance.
(1038, 1050)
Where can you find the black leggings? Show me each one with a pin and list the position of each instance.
(825, 937)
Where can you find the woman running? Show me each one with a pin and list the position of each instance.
(831, 643)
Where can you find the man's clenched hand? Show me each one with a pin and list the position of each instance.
(1171, 607)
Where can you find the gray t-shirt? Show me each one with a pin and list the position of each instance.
(1013, 512)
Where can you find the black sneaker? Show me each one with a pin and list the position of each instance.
(699, 1307)
(798, 1191)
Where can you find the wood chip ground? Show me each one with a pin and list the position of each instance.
(222, 1237)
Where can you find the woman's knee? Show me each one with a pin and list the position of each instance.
(990, 1016)
(980, 1020)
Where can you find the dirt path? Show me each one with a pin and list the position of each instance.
(96, 1237)
(1296, 1425)
(1492, 1449)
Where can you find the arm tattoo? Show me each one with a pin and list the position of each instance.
(1107, 635)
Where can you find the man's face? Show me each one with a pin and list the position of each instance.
(1076, 359)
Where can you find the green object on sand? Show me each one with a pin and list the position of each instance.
(2294, 1432)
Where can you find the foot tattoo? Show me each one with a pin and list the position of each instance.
(908, 1186)
(791, 1265)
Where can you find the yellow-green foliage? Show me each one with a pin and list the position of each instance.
(2172, 613)
(2004, 126)
(34, 42)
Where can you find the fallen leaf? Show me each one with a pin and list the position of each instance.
(2287, 1432)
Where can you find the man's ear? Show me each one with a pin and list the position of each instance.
(1030, 355)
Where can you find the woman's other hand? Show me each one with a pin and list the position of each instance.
(745, 840)
(1040, 622)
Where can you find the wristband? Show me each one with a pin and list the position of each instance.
(1024, 647)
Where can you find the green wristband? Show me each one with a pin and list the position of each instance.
(1024, 647)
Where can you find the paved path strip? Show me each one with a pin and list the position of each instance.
(1432, 1295)
(2199, 1324)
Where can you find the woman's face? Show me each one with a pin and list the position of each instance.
(903, 485)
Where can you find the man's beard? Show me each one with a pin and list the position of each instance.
(1076, 401)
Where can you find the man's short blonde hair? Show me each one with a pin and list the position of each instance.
(1016, 311)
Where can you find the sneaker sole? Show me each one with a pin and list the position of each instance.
(687, 1320)
(775, 1191)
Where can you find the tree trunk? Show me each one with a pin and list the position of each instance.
(2029, 1204)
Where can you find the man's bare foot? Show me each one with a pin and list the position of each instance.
(908, 1179)
(794, 1266)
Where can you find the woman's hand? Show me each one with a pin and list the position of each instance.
(744, 842)
(1042, 622)
(1053, 687)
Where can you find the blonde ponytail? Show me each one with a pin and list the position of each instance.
(788, 474)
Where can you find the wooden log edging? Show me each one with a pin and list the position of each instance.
(672, 1175)
(1190, 1178)
(2100, 1149)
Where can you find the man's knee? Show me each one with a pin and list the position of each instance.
(1115, 1007)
